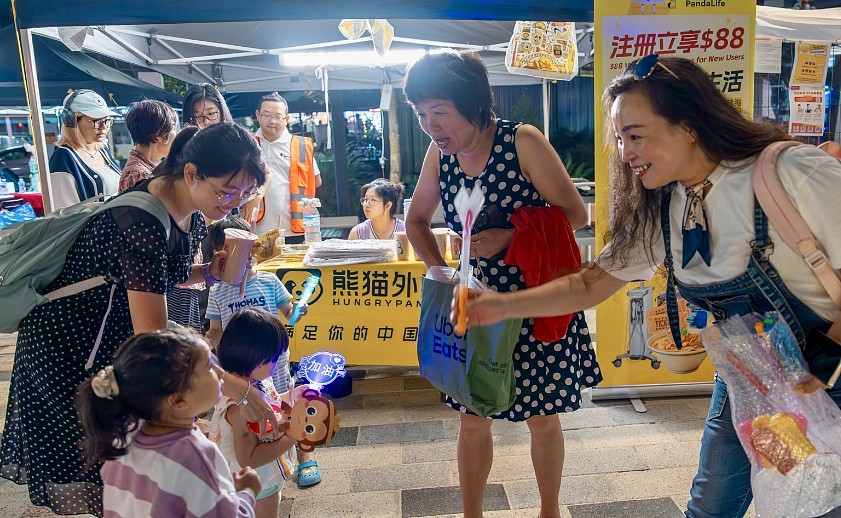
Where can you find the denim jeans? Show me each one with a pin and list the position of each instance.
(721, 488)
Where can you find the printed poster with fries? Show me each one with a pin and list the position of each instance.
(632, 351)
(543, 49)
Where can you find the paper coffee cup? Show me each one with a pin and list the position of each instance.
(405, 252)
(441, 240)
(238, 244)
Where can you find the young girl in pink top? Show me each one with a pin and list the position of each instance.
(138, 416)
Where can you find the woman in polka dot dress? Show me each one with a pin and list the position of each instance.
(211, 172)
(515, 167)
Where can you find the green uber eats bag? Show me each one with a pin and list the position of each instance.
(477, 369)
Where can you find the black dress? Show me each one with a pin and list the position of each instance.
(549, 376)
(41, 440)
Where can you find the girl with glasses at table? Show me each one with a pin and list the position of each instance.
(140, 259)
(379, 201)
(82, 166)
(681, 157)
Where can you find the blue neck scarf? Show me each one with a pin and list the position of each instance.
(696, 234)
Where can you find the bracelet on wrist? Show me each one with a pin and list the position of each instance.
(209, 279)
(244, 400)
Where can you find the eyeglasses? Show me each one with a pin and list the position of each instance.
(227, 198)
(211, 117)
(102, 123)
(372, 201)
(643, 68)
(272, 118)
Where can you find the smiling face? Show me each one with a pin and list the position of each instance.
(451, 131)
(313, 420)
(216, 197)
(657, 151)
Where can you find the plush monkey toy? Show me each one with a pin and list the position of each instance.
(312, 420)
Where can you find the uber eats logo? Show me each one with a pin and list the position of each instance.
(445, 340)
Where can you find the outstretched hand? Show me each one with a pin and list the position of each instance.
(258, 411)
(483, 307)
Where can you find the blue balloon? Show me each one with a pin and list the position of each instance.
(322, 368)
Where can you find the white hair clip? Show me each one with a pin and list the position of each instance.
(104, 384)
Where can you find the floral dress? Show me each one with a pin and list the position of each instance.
(40, 445)
(550, 375)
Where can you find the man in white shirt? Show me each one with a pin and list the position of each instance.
(290, 160)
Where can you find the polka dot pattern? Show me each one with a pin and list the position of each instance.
(549, 376)
(40, 444)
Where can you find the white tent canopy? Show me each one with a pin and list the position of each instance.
(792, 24)
(246, 56)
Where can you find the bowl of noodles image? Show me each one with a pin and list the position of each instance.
(684, 361)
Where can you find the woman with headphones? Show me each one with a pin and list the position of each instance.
(82, 167)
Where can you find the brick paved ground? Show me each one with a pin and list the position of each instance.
(396, 457)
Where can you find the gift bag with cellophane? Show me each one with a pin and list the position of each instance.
(792, 438)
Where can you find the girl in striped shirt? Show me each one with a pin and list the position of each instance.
(138, 416)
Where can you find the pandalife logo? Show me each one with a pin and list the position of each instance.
(705, 3)
(445, 340)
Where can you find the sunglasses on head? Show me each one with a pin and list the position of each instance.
(643, 68)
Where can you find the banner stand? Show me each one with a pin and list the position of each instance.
(653, 390)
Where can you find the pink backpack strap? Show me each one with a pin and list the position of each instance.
(788, 222)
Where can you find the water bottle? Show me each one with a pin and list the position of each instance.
(34, 179)
(312, 220)
(280, 242)
(21, 185)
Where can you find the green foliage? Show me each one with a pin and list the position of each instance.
(576, 149)
(327, 192)
(360, 171)
(173, 85)
(523, 111)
